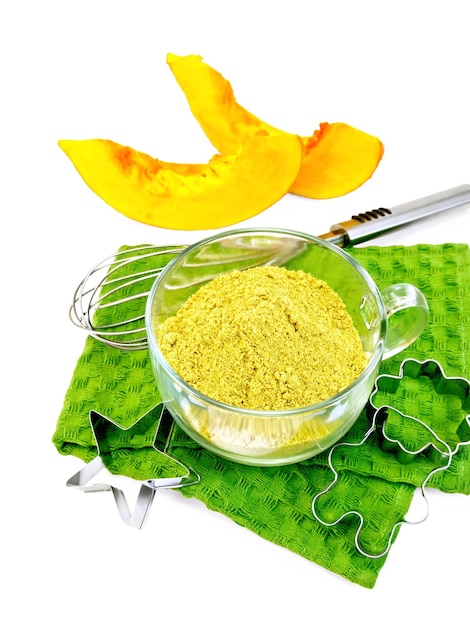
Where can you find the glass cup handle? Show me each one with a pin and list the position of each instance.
(407, 312)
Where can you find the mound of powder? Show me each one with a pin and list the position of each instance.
(265, 338)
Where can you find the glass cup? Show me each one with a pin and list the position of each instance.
(387, 321)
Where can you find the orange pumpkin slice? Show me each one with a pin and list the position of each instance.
(337, 158)
(227, 190)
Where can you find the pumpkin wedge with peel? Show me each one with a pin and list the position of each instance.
(225, 191)
(337, 158)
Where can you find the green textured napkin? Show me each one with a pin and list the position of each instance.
(276, 502)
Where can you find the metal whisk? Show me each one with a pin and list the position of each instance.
(110, 301)
(118, 286)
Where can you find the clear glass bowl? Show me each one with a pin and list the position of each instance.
(279, 437)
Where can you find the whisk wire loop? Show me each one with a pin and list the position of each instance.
(123, 278)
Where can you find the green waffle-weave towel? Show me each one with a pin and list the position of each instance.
(276, 503)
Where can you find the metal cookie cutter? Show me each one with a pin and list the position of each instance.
(101, 427)
(435, 447)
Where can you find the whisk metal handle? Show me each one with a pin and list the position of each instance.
(365, 226)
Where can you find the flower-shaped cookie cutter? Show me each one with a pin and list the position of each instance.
(435, 446)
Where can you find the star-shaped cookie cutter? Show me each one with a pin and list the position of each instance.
(158, 417)
(439, 449)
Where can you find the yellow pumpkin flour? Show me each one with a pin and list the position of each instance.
(265, 338)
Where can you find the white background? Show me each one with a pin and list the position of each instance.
(398, 70)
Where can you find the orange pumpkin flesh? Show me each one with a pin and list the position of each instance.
(337, 158)
(227, 190)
